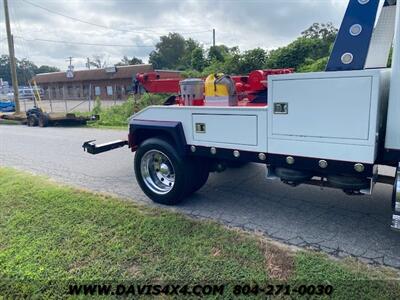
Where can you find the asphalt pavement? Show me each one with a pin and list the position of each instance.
(306, 216)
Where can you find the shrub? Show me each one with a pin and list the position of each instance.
(118, 115)
(97, 106)
(314, 65)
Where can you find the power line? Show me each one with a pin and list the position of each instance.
(83, 43)
(76, 19)
(196, 32)
(99, 25)
(14, 12)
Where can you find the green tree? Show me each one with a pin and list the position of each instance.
(25, 70)
(218, 53)
(314, 65)
(326, 32)
(314, 44)
(233, 63)
(125, 61)
(252, 60)
(98, 61)
(47, 69)
(198, 61)
(222, 59)
(215, 67)
(297, 52)
(169, 52)
(5, 71)
(186, 59)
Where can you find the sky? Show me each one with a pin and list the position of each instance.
(114, 28)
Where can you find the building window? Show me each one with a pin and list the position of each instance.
(70, 91)
(118, 92)
(46, 91)
(85, 91)
(78, 91)
(109, 90)
(97, 91)
(61, 91)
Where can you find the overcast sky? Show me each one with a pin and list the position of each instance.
(133, 27)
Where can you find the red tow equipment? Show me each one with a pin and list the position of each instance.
(251, 89)
(158, 83)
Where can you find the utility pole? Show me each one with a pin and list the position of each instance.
(213, 37)
(70, 61)
(11, 51)
(88, 63)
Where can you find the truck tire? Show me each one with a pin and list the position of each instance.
(201, 173)
(32, 121)
(236, 164)
(163, 175)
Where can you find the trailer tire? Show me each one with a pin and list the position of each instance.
(32, 121)
(163, 175)
(43, 120)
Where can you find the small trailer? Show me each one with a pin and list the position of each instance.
(37, 117)
(331, 129)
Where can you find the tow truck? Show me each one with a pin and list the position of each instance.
(332, 129)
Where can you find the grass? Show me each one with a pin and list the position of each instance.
(116, 117)
(51, 235)
(9, 122)
(113, 127)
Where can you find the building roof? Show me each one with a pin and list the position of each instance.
(122, 72)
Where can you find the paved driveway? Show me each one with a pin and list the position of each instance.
(304, 216)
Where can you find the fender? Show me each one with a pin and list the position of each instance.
(140, 130)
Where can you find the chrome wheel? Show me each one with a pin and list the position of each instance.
(157, 172)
